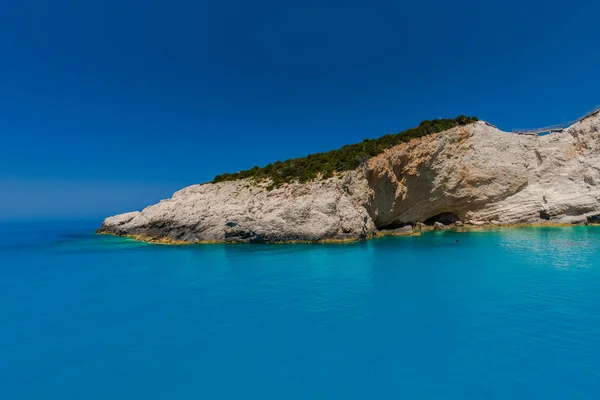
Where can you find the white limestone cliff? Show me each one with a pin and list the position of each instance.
(475, 173)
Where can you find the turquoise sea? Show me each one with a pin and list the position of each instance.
(505, 314)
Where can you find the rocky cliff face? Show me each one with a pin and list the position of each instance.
(476, 174)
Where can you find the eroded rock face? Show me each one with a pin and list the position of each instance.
(457, 171)
(476, 174)
(240, 211)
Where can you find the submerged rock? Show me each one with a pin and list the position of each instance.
(474, 173)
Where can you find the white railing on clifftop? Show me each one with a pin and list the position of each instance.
(557, 127)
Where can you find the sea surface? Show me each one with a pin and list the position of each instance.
(504, 314)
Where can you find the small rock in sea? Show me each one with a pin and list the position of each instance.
(438, 226)
(419, 226)
(405, 230)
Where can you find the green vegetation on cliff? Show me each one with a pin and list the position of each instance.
(347, 158)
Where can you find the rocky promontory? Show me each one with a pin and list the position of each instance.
(474, 174)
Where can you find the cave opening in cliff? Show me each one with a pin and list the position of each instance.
(394, 225)
(445, 218)
(544, 215)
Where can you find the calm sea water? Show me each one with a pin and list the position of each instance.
(500, 314)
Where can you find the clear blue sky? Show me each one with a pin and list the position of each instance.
(107, 106)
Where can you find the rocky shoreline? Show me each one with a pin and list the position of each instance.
(467, 177)
(400, 232)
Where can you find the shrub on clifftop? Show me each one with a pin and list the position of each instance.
(347, 158)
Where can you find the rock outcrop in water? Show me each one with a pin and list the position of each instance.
(474, 174)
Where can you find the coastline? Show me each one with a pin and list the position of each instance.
(451, 228)
(173, 242)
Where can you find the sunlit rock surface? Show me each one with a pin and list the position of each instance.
(474, 174)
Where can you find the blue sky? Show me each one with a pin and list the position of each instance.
(110, 106)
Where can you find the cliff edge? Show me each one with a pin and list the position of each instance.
(475, 174)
